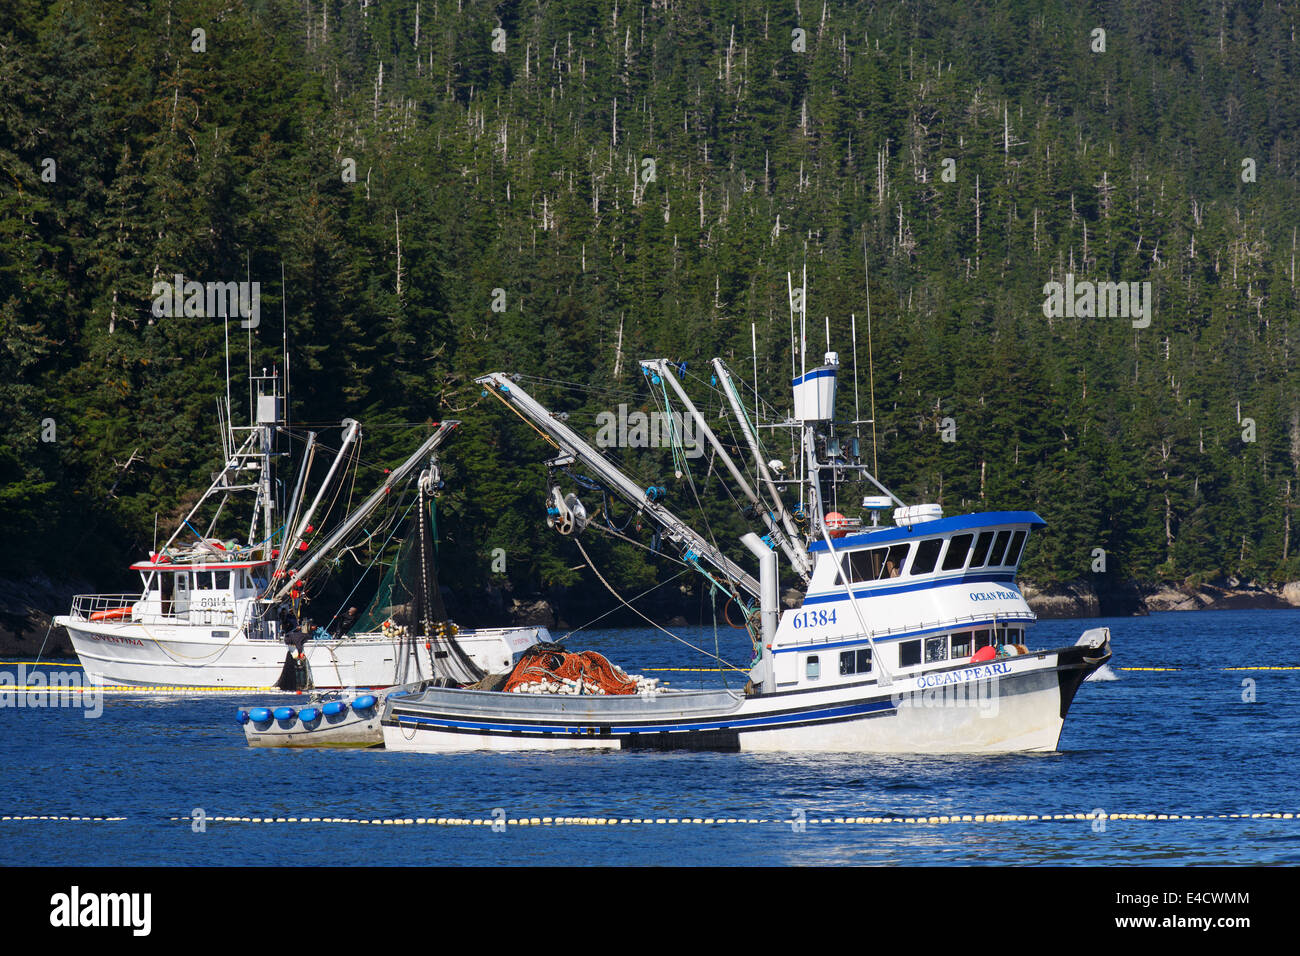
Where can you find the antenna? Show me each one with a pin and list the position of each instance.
(753, 341)
(857, 416)
(871, 365)
(284, 335)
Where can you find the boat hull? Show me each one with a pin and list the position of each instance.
(126, 653)
(1014, 704)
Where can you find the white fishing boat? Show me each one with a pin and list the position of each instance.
(215, 613)
(910, 637)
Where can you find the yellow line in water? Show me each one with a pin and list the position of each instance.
(501, 822)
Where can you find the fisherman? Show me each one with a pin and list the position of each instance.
(288, 620)
(297, 638)
(347, 622)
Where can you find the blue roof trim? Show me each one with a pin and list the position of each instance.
(1003, 577)
(815, 373)
(987, 519)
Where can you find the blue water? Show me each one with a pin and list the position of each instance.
(1178, 742)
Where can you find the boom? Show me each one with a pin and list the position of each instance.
(569, 442)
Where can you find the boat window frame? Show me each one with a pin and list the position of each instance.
(812, 667)
(1000, 544)
(918, 555)
(909, 647)
(980, 553)
(866, 562)
(939, 643)
(852, 661)
(1018, 541)
(965, 552)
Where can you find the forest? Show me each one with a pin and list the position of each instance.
(430, 190)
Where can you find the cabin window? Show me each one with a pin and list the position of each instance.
(222, 580)
(855, 662)
(983, 639)
(875, 564)
(909, 653)
(961, 644)
(999, 548)
(812, 667)
(958, 548)
(1013, 552)
(981, 549)
(927, 553)
(936, 649)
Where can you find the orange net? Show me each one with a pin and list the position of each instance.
(591, 670)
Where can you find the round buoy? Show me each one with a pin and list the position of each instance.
(362, 703)
(285, 713)
(259, 715)
(837, 524)
(985, 654)
(243, 716)
(335, 707)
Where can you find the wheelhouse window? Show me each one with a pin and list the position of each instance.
(1013, 552)
(999, 548)
(927, 553)
(961, 644)
(855, 662)
(958, 548)
(936, 649)
(983, 639)
(812, 667)
(909, 653)
(981, 549)
(221, 579)
(875, 564)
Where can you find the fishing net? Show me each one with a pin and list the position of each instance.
(548, 668)
(408, 604)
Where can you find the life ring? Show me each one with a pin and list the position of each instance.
(727, 617)
(113, 614)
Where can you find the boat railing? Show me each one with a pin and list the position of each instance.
(944, 624)
(84, 605)
(132, 609)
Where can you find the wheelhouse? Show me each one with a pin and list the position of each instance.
(931, 594)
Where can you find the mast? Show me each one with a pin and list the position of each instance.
(363, 512)
(790, 543)
(677, 531)
(795, 554)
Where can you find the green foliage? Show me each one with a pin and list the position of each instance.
(524, 171)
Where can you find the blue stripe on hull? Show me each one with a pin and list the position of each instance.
(586, 732)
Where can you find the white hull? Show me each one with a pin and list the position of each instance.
(1012, 705)
(189, 656)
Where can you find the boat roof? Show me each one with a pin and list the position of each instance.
(986, 519)
(196, 566)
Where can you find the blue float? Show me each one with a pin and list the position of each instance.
(335, 707)
(309, 714)
(285, 713)
(362, 703)
(259, 715)
(243, 716)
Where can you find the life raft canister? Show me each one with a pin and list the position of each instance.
(112, 614)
